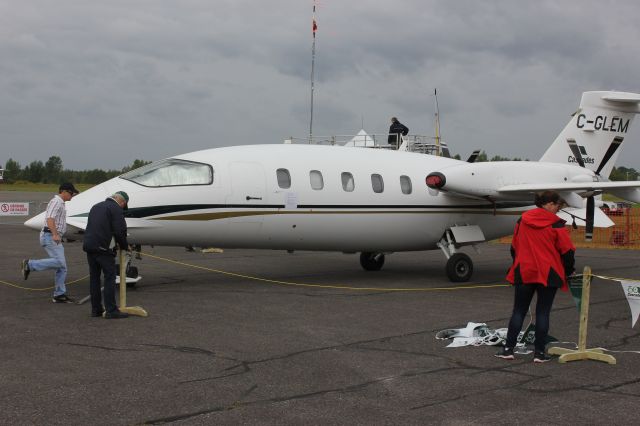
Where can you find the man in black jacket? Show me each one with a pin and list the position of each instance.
(395, 130)
(106, 221)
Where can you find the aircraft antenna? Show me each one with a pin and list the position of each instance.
(437, 122)
(314, 28)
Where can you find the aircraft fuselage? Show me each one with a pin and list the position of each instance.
(364, 200)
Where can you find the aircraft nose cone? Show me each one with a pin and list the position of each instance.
(36, 222)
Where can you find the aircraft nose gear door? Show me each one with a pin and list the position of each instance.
(459, 265)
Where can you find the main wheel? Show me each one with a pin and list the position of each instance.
(371, 261)
(459, 268)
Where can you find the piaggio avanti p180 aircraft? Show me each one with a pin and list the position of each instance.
(362, 199)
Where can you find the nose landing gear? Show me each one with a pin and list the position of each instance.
(371, 261)
(132, 274)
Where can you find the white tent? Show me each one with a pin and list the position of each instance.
(361, 139)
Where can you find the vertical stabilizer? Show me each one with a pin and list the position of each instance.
(596, 131)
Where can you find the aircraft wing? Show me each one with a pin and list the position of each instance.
(624, 189)
(80, 223)
(600, 219)
(628, 190)
(77, 224)
(571, 186)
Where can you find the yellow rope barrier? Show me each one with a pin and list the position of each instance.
(40, 289)
(295, 284)
(339, 287)
(604, 277)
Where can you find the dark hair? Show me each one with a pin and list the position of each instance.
(68, 186)
(545, 197)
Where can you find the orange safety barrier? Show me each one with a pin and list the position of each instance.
(625, 234)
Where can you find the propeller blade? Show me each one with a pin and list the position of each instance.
(588, 231)
(617, 141)
(474, 156)
(576, 151)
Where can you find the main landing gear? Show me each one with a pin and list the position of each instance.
(371, 261)
(459, 268)
(459, 265)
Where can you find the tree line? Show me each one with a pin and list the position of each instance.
(52, 171)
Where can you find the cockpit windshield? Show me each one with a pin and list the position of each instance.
(171, 172)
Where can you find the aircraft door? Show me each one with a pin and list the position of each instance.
(248, 183)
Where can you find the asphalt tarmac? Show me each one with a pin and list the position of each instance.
(321, 347)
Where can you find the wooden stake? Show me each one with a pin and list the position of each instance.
(567, 355)
(131, 310)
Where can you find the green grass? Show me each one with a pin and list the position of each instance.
(38, 187)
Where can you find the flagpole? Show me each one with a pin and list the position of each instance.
(314, 27)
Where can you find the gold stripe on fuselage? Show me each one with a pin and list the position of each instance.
(229, 215)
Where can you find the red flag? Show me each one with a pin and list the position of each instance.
(315, 26)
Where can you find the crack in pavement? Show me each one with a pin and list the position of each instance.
(343, 389)
(106, 348)
(483, 391)
(462, 365)
(245, 366)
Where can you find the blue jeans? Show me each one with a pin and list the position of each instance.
(522, 299)
(55, 261)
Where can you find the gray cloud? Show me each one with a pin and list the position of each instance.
(101, 83)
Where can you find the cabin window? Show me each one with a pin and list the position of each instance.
(171, 172)
(377, 183)
(315, 177)
(284, 178)
(347, 182)
(405, 184)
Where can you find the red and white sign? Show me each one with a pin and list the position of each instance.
(14, 209)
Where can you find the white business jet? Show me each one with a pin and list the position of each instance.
(361, 199)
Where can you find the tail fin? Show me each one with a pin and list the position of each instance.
(595, 131)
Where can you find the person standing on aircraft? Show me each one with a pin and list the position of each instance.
(106, 221)
(395, 130)
(51, 240)
(543, 257)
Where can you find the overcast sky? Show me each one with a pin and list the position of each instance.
(101, 83)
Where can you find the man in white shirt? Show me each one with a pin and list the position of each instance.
(51, 240)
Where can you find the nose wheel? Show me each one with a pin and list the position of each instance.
(459, 268)
(371, 261)
(132, 275)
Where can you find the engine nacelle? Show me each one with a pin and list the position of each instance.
(483, 180)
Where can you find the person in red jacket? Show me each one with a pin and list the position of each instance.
(543, 257)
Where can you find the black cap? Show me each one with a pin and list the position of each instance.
(124, 196)
(68, 186)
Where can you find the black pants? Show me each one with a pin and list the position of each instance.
(99, 263)
(522, 300)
